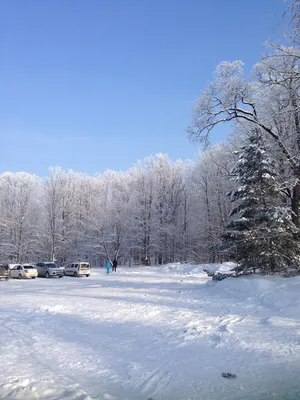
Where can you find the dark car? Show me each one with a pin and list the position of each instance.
(4, 271)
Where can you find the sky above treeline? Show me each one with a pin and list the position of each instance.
(100, 84)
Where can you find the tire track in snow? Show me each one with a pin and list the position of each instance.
(149, 383)
(157, 382)
(29, 333)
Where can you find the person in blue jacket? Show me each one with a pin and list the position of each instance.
(107, 267)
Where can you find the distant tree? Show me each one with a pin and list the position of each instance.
(52, 202)
(141, 216)
(168, 201)
(261, 234)
(18, 216)
(210, 181)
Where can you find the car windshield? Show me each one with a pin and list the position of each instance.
(51, 266)
(28, 266)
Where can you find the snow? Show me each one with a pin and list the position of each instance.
(163, 333)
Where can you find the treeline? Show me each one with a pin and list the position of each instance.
(157, 212)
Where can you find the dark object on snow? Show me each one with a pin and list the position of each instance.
(114, 265)
(208, 273)
(228, 375)
(218, 276)
(291, 274)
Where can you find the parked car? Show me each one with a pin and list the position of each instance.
(78, 269)
(24, 271)
(49, 270)
(4, 271)
(11, 266)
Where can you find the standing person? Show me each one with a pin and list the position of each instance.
(115, 264)
(107, 267)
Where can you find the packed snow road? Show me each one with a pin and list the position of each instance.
(150, 333)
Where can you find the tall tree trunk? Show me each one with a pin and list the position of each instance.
(185, 226)
(295, 202)
(296, 188)
(210, 249)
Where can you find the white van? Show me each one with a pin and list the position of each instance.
(78, 269)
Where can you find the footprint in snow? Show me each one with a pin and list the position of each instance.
(222, 328)
(216, 339)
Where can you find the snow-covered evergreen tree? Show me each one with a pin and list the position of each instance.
(260, 234)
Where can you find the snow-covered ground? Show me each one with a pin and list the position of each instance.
(150, 333)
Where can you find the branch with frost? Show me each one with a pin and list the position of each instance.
(230, 98)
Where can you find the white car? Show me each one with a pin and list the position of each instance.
(24, 271)
(11, 266)
(78, 269)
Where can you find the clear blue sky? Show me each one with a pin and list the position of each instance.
(97, 84)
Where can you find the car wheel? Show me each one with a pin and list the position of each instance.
(60, 276)
(33, 277)
(20, 276)
(47, 275)
(75, 273)
(87, 276)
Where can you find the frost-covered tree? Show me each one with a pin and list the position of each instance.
(141, 216)
(261, 234)
(270, 102)
(117, 198)
(156, 208)
(53, 215)
(168, 189)
(18, 216)
(211, 207)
